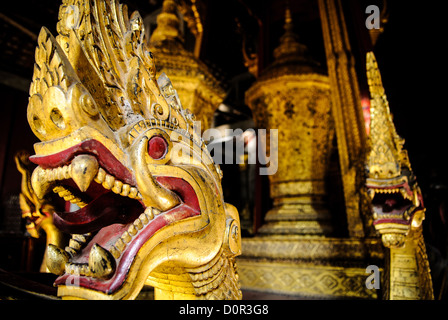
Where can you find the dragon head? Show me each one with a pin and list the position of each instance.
(396, 197)
(146, 197)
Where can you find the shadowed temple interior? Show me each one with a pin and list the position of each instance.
(210, 149)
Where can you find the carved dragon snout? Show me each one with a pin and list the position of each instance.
(143, 198)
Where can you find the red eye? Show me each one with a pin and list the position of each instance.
(157, 147)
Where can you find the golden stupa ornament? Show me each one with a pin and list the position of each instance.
(197, 87)
(117, 143)
(292, 96)
(397, 202)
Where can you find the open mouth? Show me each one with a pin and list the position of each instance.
(391, 205)
(110, 223)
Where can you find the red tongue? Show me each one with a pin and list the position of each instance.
(103, 211)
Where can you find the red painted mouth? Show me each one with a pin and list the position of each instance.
(107, 217)
(392, 204)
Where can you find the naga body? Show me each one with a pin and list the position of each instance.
(397, 203)
(117, 143)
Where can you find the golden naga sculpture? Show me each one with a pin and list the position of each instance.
(117, 142)
(397, 202)
(38, 213)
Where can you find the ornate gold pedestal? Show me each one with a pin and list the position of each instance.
(309, 267)
(298, 106)
(293, 96)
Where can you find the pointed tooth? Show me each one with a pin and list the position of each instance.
(69, 197)
(84, 169)
(126, 237)
(109, 181)
(132, 230)
(56, 259)
(143, 218)
(85, 270)
(101, 262)
(100, 176)
(115, 252)
(156, 211)
(120, 245)
(125, 190)
(60, 191)
(82, 238)
(371, 193)
(133, 193)
(74, 244)
(138, 224)
(66, 171)
(117, 187)
(404, 194)
(40, 182)
(406, 215)
(70, 251)
(415, 199)
(58, 174)
(149, 214)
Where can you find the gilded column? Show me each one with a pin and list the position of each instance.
(293, 96)
(346, 110)
(198, 89)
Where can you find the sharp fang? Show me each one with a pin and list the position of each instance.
(56, 259)
(371, 193)
(39, 182)
(404, 194)
(84, 169)
(101, 262)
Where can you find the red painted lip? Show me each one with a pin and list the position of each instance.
(390, 220)
(108, 235)
(109, 215)
(124, 262)
(105, 158)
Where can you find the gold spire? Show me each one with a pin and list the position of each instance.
(289, 46)
(291, 56)
(167, 24)
(383, 161)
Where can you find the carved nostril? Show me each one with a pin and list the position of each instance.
(57, 118)
(38, 125)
